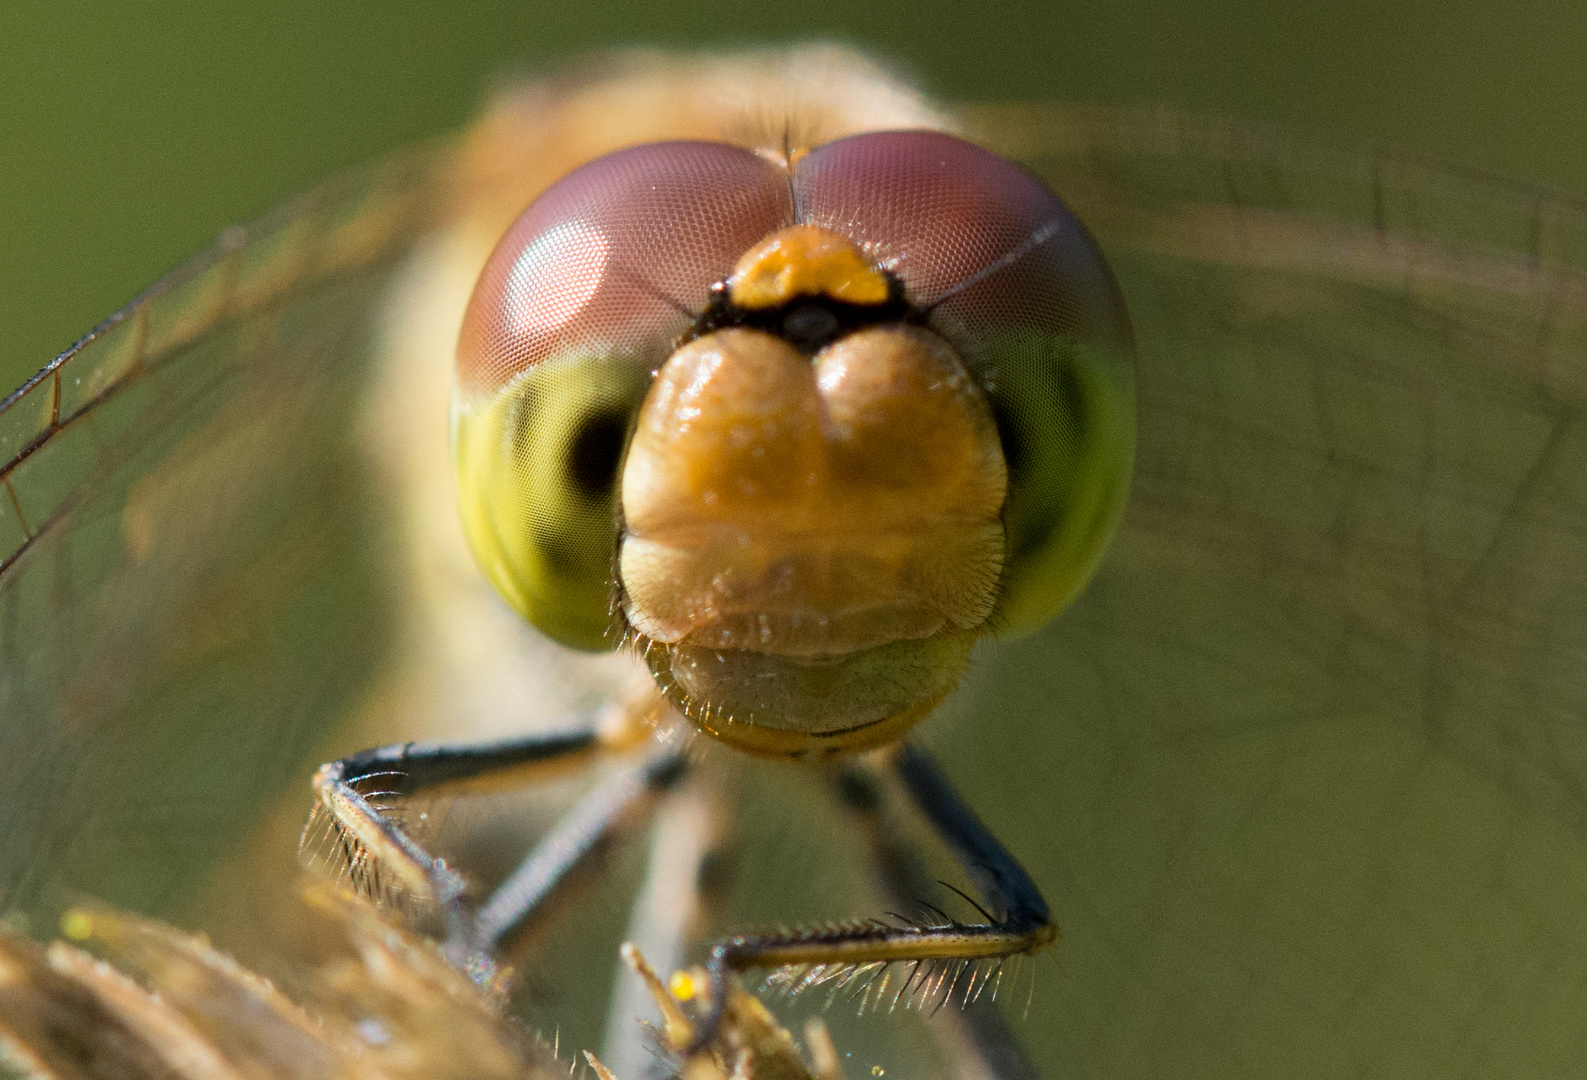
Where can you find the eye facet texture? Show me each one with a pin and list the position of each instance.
(603, 275)
(1016, 283)
(615, 256)
(975, 239)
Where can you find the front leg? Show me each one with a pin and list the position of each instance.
(1017, 919)
(375, 852)
(357, 821)
(975, 1036)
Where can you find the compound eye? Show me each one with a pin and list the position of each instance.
(576, 307)
(1010, 276)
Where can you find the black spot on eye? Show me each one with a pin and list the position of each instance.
(1013, 440)
(597, 448)
(561, 557)
(1071, 396)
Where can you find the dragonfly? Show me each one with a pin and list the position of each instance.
(1297, 772)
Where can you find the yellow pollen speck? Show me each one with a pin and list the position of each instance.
(682, 986)
(805, 260)
(77, 926)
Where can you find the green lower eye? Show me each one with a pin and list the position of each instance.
(537, 468)
(1066, 413)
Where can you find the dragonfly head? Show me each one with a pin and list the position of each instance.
(800, 434)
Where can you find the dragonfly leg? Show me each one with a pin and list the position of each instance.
(1017, 919)
(974, 1035)
(622, 801)
(353, 792)
(360, 796)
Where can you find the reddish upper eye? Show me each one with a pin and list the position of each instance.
(604, 273)
(615, 257)
(956, 221)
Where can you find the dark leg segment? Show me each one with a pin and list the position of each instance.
(975, 1035)
(619, 801)
(1017, 916)
(1012, 895)
(389, 863)
(375, 848)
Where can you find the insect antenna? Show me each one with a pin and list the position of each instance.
(645, 285)
(1035, 240)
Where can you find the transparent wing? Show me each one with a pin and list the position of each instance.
(1300, 772)
(187, 550)
(1303, 771)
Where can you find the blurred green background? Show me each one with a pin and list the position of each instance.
(130, 134)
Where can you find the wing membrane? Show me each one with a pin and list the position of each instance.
(1305, 765)
(189, 537)
(1302, 771)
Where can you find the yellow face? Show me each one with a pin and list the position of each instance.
(799, 426)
